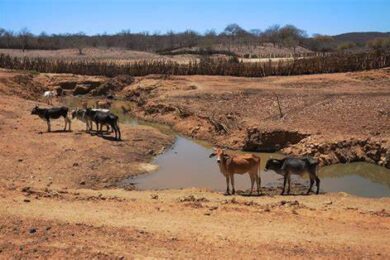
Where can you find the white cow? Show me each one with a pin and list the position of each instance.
(49, 95)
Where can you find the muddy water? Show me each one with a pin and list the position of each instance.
(187, 164)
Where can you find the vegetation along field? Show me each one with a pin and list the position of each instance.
(232, 143)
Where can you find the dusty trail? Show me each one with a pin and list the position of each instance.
(194, 222)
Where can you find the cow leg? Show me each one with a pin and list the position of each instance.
(48, 125)
(311, 184)
(252, 183)
(99, 128)
(115, 131)
(70, 123)
(227, 185)
(318, 184)
(258, 183)
(232, 181)
(284, 183)
(289, 183)
(66, 123)
(119, 132)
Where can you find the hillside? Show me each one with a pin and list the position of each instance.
(360, 38)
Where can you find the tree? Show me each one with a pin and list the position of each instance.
(346, 46)
(271, 34)
(379, 44)
(79, 41)
(25, 38)
(290, 36)
(322, 43)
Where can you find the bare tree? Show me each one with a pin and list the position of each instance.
(271, 34)
(79, 42)
(25, 38)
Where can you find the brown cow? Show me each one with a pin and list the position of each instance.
(103, 104)
(238, 164)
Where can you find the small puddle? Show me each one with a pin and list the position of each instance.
(187, 164)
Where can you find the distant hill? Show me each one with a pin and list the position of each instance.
(360, 38)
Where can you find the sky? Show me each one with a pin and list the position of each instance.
(112, 16)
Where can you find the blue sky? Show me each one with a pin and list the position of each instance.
(91, 17)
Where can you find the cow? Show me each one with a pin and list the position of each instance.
(298, 166)
(49, 95)
(104, 118)
(103, 104)
(52, 113)
(238, 164)
(80, 114)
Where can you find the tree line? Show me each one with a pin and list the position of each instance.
(287, 36)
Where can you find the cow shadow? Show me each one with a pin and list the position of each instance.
(55, 131)
(106, 135)
(298, 190)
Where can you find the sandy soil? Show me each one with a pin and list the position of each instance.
(56, 202)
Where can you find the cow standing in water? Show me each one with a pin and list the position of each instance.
(297, 166)
(52, 113)
(238, 164)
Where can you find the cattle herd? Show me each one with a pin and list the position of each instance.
(229, 164)
(100, 116)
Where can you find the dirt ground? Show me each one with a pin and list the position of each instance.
(58, 199)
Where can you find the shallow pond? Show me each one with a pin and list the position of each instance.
(187, 164)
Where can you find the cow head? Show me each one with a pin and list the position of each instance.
(35, 110)
(273, 164)
(219, 153)
(74, 113)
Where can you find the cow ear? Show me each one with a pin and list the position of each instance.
(212, 155)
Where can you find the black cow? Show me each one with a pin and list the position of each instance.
(52, 113)
(104, 118)
(298, 166)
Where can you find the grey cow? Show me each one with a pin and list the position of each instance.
(298, 166)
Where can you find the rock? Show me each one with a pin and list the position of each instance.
(81, 89)
(270, 141)
(82, 182)
(32, 230)
(113, 85)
